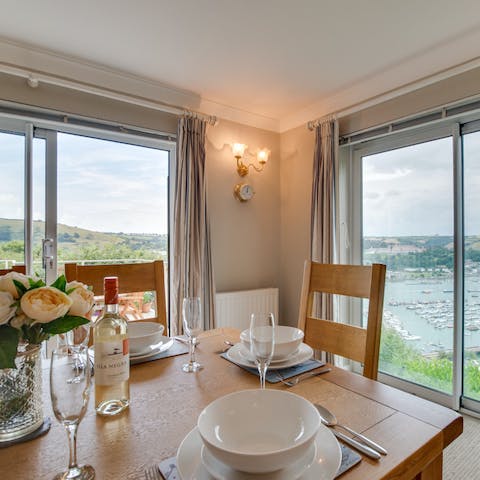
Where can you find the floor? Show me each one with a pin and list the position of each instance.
(461, 459)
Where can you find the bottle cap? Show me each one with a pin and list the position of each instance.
(110, 286)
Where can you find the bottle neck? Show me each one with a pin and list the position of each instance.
(111, 308)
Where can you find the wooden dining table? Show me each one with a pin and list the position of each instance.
(166, 402)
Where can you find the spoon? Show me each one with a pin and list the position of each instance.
(329, 419)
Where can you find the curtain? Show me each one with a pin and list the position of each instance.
(323, 208)
(192, 256)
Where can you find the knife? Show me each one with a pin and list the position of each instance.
(357, 445)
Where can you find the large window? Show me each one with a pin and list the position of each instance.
(412, 205)
(82, 195)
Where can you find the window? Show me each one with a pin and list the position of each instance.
(412, 205)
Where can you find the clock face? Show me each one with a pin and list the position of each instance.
(244, 192)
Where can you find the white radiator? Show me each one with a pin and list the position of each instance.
(233, 309)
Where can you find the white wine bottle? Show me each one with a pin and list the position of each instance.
(112, 362)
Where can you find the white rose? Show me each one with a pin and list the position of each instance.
(7, 285)
(45, 304)
(7, 311)
(82, 298)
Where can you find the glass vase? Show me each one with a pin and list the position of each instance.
(21, 406)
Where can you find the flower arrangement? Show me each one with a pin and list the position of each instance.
(31, 311)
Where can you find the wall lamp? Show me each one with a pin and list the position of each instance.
(240, 151)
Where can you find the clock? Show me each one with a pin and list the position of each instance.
(243, 192)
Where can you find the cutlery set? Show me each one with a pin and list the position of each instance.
(359, 442)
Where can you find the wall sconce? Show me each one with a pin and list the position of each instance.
(240, 151)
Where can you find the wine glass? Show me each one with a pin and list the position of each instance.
(262, 342)
(192, 324)
(69, 391)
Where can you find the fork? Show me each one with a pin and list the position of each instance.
(153, 473)
(293, 382)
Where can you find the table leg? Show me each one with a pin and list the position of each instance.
(433, 471)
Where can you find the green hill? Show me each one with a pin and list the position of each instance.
(78, 243)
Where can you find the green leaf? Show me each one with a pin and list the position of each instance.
(39, 283)
(63, 324)
(60, 283)
(70, 290)
(21, 289)
(8, 346)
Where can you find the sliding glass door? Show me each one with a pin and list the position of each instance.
(81, 195)
(471, 332)
(413, 206)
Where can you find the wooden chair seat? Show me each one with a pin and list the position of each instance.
(349, 341)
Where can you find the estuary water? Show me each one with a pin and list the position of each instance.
(421, 311)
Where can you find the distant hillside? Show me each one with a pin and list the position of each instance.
(74, 238)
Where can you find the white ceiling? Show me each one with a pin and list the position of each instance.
(284, 61)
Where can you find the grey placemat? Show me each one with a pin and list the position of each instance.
(168, 468)
(177, 348)
(273, 375)
(42, 430)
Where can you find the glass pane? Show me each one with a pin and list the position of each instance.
(472, 266)
(12, 154)
(38, 199)
(112, 206)
(408, 225)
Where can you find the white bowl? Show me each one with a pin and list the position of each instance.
(143, 334)
(259, 431)
(287, 341)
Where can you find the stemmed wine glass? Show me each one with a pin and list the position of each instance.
(192, 324)
(262, 342)
(69, 391)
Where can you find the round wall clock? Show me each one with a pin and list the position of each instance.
(243, 192)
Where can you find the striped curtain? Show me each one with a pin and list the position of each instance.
(192, 256)
(323, 206)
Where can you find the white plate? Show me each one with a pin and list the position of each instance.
(303, 354)
(324, 466)
(221, 471)
(248, 356)
(164, 344)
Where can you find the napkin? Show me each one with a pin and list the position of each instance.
(273, 376)
(168, 468)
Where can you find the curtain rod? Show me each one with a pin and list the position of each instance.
(33, 80)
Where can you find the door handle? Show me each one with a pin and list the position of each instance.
(47, 253)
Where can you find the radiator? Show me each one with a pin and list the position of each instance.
(233, 309)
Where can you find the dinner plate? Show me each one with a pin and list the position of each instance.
(221, 471)
(236, 355)
(245, 353)
(162, 346)
(324, 466)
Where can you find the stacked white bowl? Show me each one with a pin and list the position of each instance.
(142, 335)
(287, 341)
(259, 431)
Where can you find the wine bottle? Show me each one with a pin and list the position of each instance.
(112, 362)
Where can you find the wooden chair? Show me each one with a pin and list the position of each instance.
(355, 343)
(132, 278)
(15, 268)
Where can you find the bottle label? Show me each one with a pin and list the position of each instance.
(112, 362)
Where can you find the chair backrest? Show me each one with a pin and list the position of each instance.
(355, 343)
(132, 278)
(15, 268)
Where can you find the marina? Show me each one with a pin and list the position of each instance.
(422, 313)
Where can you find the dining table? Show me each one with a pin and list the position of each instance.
(166, 403)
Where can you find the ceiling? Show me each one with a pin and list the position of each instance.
(281, 62)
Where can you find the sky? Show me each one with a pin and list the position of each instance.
(102, 185)
(409, 191)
